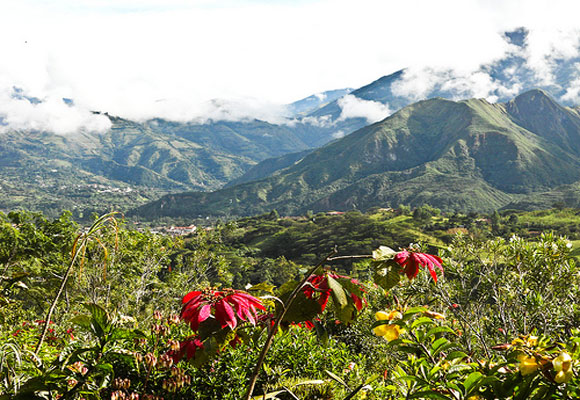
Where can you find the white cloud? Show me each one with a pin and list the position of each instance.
(353, 107)
(48, 115)
(417, 83)
(321, 122)
(572, 93)
(338, 134)
(141, 59)
(545, 47)
(320, 96)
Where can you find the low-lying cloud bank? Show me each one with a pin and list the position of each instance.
(353, 107)
(19, 113)
(169, 60)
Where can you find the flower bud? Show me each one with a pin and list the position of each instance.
(173, 345)
(150, 360)
(166, 361)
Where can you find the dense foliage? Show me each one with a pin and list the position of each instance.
(144, 316)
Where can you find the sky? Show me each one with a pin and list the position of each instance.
(199, 59)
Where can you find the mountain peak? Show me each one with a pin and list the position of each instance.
(533, 102)
(539, 113)
(536, 96)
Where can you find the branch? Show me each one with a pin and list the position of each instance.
(363, 256)
(274, 329)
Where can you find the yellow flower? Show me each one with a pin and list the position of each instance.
(563, 376)
(528, 365)
(382, 315)
(388, 332)
(533, 341)
(563, 365)
(563, 362)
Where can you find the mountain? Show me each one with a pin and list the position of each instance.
(48, 172)
(316, 101)
(498, 80)
(269, 167)
(465, 155)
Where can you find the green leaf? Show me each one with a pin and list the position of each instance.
(458, 368)
(410, 349)
(414, 310)
(338, 293)
(383, 253)
(310, 382)
(350, 287)
(302, 309)
(337, 379)
(471, 380)
(345, 314)
(422, 321)
(439, 329)
(84, 321)
(379, 323)
(438, 343)
(387, 274)
(429, 394)
(359, 387)
(100, 318)
(265, 286)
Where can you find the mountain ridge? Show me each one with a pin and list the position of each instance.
(423, 153)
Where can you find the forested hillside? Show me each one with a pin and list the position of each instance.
(108, 312)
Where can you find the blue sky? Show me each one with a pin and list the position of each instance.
(147, 58)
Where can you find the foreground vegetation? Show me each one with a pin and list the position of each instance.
(143, 316)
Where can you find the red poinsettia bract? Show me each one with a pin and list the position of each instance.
(411, 261)
(223, 305)
(319, 284)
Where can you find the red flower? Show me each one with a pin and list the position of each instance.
(304, 324)
(411, 261)
(319, 284)
(224, 306)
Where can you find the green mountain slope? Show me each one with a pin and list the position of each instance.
(154, 158)
(467, 155)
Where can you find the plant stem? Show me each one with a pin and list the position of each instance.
(54, 301)
(274, 329)
(79, 247)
